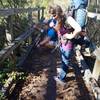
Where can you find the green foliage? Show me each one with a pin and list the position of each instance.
(39, 3)
(21, 22)
(13, 3)
(92, 8)
(8, 70)
(2, 35)
(8, 67)
(15, 75)
(2, 97)
(8, 63)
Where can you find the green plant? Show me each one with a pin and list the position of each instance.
(2, 97)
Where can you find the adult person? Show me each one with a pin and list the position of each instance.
(79, 13)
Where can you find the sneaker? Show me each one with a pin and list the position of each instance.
(59, 80)
(58, 70)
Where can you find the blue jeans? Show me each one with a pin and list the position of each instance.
(80, 17)
(65, 56)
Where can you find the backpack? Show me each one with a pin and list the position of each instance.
(75, 4)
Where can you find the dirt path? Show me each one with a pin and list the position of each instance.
(40, 84)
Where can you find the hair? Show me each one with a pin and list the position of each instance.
(52, 10)
(59, 10)
(60, 22)
(61, 18)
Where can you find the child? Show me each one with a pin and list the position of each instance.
(51, 37)
(66, 43)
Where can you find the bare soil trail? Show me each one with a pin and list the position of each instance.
(40, 84)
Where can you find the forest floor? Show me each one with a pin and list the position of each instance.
(40, 84)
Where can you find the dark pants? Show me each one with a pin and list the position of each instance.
(81, 41)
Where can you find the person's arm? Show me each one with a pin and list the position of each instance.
(46, 40)
(75, 26)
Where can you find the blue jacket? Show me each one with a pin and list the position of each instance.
(79, 3)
